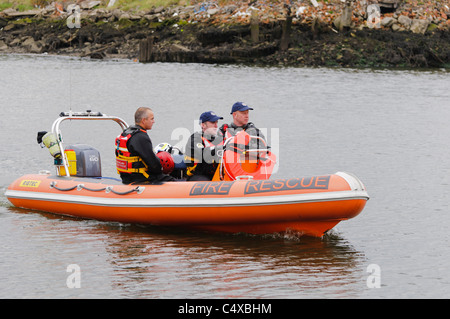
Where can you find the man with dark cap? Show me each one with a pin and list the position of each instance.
(203, 148)
(240, 113)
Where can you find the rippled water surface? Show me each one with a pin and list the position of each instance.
(390, 128)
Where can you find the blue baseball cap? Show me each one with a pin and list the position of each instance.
(239, 106)
(209, 116)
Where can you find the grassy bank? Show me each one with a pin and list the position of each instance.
(23, 5)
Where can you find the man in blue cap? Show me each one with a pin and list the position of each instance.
(240, 113)
(202, 148)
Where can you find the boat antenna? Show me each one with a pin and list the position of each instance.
(70, 82)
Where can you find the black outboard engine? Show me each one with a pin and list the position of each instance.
(88, 162)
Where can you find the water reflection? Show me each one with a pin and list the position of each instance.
(232, 266)
(155, 262)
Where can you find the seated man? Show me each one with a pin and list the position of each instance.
(135, 160)
(240, 113)
(201, 156)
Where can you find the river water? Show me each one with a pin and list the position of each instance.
(389, 128)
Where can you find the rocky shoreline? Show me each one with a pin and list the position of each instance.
(308, 33)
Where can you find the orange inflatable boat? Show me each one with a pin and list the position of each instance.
(307, 205)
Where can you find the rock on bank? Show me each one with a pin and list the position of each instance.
(228, 34)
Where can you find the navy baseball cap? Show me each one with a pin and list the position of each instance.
(209, 116)
(239, 106)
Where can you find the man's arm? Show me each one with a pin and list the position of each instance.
(142, 145)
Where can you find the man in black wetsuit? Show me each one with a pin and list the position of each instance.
(202, 149)
(135, 160)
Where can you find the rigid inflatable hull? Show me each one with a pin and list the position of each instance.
(309, 205)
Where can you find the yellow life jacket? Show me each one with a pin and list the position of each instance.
(190, 170)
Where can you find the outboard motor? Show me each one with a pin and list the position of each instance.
(86, 160)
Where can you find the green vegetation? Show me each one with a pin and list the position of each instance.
(147, 4)
(20, 5)
(23, 5)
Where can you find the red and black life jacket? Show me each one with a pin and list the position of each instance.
(125, 163)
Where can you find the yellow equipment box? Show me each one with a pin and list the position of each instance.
(72, 159)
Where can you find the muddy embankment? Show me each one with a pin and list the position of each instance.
(168, 35)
